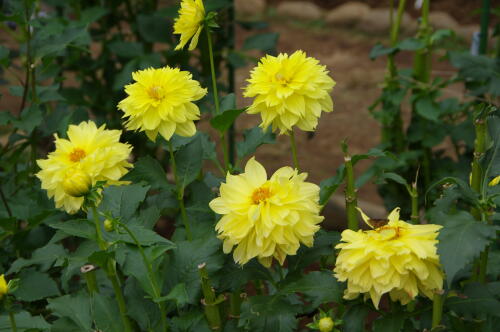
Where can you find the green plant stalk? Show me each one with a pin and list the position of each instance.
(12, 320)
(351, 200)
(151, 276)
(483, 265)
(485, 20)
(111, 273)
(437, 309)
(415, 215)
(210, 300)
(180, 193)
(235, 300)
(392, 133)
(479, 150)
(422, 73)
(294, 150)
(216, 97)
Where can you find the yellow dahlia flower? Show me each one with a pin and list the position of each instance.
(161, 101)
(290, 91)
(397, 258)
(189, 23)
(89, 152)
(494, 182)
(3, 286)
(266, 218)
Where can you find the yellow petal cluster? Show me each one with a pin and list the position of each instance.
(290, 91)
(161, 101)
(189, 23)
(89, 152)
(398, 258)
(3, 286)
(495, 181)
(266, 218)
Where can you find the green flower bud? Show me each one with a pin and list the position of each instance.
(108, 225)
(325, 324)
(77, 183)
(4, 289)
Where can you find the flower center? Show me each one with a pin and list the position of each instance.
(260, 194)
(76, 155)
(392, 232)
(281, 79)
(156, 92)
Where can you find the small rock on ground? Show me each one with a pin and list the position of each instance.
(378, 21)
(301, 10)
(348, 14)
(442, 20)
(250, 7)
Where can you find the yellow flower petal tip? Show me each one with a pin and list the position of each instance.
(396, 258)
(3, 286)
(325, 324)
(494, 182)
(289, 91)
(161, 101)
(189, 23)
(90, 154)
(266, 218)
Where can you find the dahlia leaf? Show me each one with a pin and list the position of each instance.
(105, 311)
(389, 323)
(265, 42)
(269, 314)
(254, 138)
(76, 309)
(461, 240)
(189, 160)
(318, 287)
(223, 121)
(149, 170)
(123, 201)
(25, 322)
(35, 285)
(354, 318)
(330, 185)
(477, 300)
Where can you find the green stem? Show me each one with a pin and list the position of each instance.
(437, 309)
(235, 300)
(415, 215)
(88, 272)
(294, 150)
(111, 273)
(12, 320)
(479, 150)
(483, 265)
(151, 276)
(216, 97)
(485, 20)
(210, 300)
(351, 200)
(180, 193)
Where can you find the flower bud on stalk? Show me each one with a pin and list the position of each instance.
(4, 288)
(325, 324)
(109, 225)
(77, 183)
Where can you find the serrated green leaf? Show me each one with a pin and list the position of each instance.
(253, 138)
(394, 177)
(123, 201)
(428, 108)
(189, 160)
(35, 285)
(389, 323)
(354, 318)
(477, 300)
(269, 314)
(178, 294)
(81, 228)
(318, 287)
(105, 313)
(330, 185)
(75, 308)
(228, 102)
(223, 121)
(44, 257)
(149, 170)
(461, 234)
(379, 50)
(24, 322)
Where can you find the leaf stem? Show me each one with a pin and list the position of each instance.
(151, 276)
(415, 215)
(111, 273)
(294, 150)
(180, 193)
(210, 301)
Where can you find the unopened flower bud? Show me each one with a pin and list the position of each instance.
(3, 286)
(77, 183)
(108, 225)
(325, 324)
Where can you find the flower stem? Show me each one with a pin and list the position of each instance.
(88, 272)
(12, 320)
(111, 273)
(415, 215)
(351, 199)
(216, 98)
(180, 193)
(437, 309)
(151, 276)
(294, 150)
